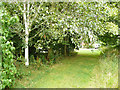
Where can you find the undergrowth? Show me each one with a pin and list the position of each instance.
(40, 64)
(106, 72)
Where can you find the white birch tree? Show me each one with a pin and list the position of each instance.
(26, 21)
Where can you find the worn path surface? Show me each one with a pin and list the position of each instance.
(72, 72)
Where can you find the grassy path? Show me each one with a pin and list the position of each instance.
(72, 72)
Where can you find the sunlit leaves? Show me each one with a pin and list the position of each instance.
(111, 27)
(8, 70)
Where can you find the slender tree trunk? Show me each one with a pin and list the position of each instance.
(119, 45)
(0, 52)
(65, 48)
(49, 53)
(26, 35)
(37, 58)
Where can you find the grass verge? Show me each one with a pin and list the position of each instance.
(106, 73)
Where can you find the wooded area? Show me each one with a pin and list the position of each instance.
(37, 33)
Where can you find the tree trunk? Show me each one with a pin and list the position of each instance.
(37, 59)
(26, 35)
(65, 48)
(49, 53)
(119, 44)
(0, 52)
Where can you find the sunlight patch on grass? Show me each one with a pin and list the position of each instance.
(88, 52)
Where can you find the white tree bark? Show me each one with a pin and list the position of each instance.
(26, 36)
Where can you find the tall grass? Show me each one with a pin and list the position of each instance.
(106, 72)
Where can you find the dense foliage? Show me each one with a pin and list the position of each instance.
(8, 69)
(110, 25)
(55, 27)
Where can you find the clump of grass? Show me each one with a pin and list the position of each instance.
(106, 73)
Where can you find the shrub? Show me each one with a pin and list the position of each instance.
(8, 69)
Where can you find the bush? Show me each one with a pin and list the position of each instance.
(8, 68)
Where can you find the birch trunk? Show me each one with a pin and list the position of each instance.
(26, 36)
